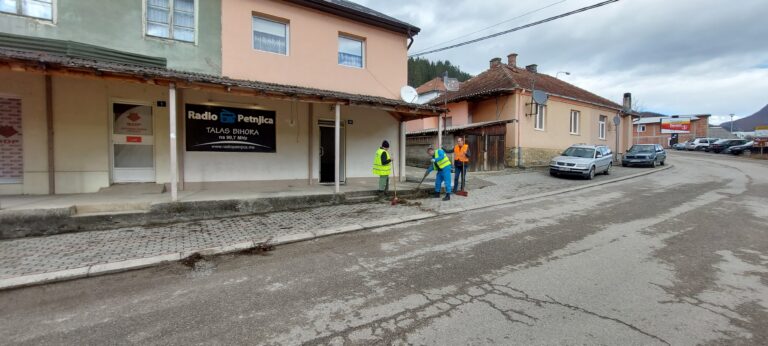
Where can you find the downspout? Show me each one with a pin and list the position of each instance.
(410, 38)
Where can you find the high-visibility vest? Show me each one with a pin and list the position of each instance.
(445, 162)
(460, 153)
(380, 168)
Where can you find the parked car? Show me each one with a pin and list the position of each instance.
(721, 145)
(681, 146)
(584, 160)
(644, 155)
(740, 149)
(700, 143)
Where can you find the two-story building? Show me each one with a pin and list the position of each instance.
(530, 132)
(192, 92)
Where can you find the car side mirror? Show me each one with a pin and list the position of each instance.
(598, 155)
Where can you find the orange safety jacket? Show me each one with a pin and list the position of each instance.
(460, 153)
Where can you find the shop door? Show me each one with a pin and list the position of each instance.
(327, 158)
(133, 143)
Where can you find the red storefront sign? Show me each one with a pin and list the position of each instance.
(133, 139)
(676, 125)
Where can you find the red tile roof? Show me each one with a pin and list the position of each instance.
(504, 79)
(435, 84)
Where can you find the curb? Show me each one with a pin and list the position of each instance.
(138, 263)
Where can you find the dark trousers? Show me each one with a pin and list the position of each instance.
(460, 170)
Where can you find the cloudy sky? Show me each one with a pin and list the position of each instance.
(675, 57)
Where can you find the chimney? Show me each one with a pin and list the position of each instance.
(512, 60)
(627, 102)
(532, 68)
(495, 62)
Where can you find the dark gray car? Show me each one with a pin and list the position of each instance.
(644, 155)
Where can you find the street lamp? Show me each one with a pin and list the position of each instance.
(566, 73)
(731, 124)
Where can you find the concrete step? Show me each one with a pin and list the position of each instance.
(111, 208)
(362, 199)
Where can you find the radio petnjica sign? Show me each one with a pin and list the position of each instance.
(229, 129)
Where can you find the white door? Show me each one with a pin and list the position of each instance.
(133, 143)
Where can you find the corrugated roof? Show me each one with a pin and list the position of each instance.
(450, 129)
(655, 120)
(504, 79)
(359, 12)
(51, 60)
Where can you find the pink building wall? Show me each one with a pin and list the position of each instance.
(312, 59)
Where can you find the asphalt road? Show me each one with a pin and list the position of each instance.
(679, 257)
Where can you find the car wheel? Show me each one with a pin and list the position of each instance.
(624, 165)
(608, 170)
(661, 163)
(591, 174)
(553, 173)
(653, 164)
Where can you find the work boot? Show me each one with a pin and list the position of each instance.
(436, 195)
(447, 197)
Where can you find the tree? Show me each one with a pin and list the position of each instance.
(421, 71)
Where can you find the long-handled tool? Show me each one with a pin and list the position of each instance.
(395, 200)
(422, 180)
(463, 181)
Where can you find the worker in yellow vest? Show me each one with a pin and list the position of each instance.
(461, 156)
(442, 164)
(382, 167)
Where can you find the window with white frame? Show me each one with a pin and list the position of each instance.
(270, 35)
(41, 9)
(575, 122)
(351, 52)
(640, 128)
(172, 19)
(601, 126)
(538, 121)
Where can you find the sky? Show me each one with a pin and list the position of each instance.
(675, 57)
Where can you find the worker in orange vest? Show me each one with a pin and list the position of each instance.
(461, 156)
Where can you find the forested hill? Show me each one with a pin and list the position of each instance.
(421, 71)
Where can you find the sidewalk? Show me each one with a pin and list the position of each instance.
(28, 261)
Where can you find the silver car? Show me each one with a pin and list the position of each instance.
(583, 160)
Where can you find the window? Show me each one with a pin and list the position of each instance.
(173, 19)
(601, 126)
(42, 9)
(640, 128)
(350, 52)
(270, 35)
(575, 115)
(539, 117)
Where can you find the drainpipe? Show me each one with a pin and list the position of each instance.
(410, 38)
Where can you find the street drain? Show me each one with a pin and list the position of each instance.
(261, 249)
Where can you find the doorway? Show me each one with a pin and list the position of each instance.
(133, 142)
(327, 158)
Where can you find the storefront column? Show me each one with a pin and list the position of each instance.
(174, 165)
(402, 152)
(50, 134)
(336, 149)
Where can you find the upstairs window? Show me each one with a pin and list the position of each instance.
(351, 52)
(539, 117)
(270, 35)
(640, 128)
(172, 19)
(41, 9)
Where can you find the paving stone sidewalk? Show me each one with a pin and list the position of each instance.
(28, 257)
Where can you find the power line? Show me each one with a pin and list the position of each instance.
(492, 26)
(583, 9)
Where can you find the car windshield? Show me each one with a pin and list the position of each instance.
(579, 152)
(642, 149)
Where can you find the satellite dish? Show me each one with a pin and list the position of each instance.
(409, 94)
(451, 84)
(540, 97)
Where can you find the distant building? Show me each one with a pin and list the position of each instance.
(648, 130)
(532, 134)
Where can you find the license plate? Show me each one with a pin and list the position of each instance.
(565, 169)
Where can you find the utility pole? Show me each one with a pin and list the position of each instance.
(731, 124)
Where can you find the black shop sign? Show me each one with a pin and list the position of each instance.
(229, 129)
